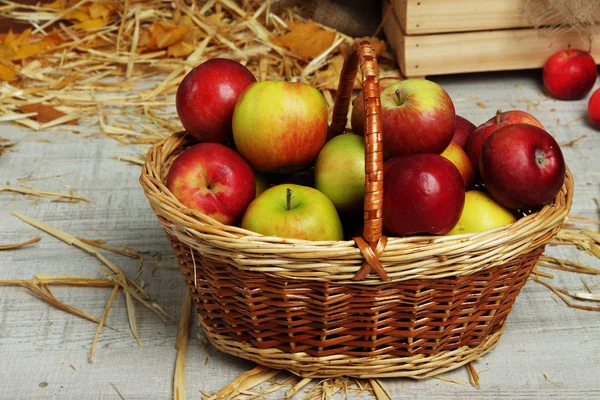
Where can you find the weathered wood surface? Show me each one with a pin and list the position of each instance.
(41, 344)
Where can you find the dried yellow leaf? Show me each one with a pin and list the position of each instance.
(44, 113)
(330, 78)
(306, 39)
(101, 10)
(90, 24)
(180, 49)
(7, 73)
(171, 37)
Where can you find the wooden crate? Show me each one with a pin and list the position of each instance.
(434, 37)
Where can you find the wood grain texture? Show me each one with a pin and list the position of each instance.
(419, 17)
(39, 343)
(493, 50)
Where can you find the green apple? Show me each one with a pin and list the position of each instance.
(481, 213)
(293, 211)
(340, 172)
(280, 126)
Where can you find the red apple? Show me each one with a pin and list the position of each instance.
(422, 193)
(461, 160)
(570, 74)
(594, 109)
(418, 117)
(213, 179)
(280, 126)
(357, 118)
(207, 95)
(522, 166)
(463, 131)
(484, 131)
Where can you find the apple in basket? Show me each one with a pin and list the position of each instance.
(280, 126)
(463, 131)
(293, 211)
(213, 179)
(340, 171)
(461, 160)
(522, 166)
(422, 193)
(357, 118)
(481, 213)
(206, 98)
(483, 131)
(570, 74)
(417, 116)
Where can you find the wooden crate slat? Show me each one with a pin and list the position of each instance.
(450, 53)
(437, 16)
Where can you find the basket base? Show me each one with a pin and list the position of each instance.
(386, 366)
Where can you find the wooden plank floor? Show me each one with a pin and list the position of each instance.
(44, 352)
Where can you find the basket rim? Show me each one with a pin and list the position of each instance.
(191, 227)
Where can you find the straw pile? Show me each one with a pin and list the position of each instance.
(117, 64)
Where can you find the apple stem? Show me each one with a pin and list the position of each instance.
(288, 194)
(498, 114)
(398, 96)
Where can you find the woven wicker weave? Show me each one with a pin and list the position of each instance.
(370, 307)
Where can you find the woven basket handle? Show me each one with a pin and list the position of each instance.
(361, 52)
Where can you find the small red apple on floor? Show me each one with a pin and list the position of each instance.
(207, 95)
(594, 108)
(463, 131)
(213, 179)
(422, 193)
(280, 126)
(570, 74)
(522, 166)
(483, 131)
(357, 118)
(417, 116)
(461, 160)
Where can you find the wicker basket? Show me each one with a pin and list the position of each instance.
(369, 307)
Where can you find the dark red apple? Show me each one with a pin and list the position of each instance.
(570, 74)
(213, 179)
(483, 131)
(594, 109)
(417, 116)
(357, 119)
(522, 166)
(462, 131)
(206, 98)
(422, 193)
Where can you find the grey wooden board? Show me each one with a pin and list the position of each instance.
(40, 344)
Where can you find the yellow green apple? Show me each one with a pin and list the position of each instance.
(340, 172)
(280, 126)
(293, 211)
(461, 160)
(481, 213)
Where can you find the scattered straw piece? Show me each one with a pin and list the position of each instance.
(100, 244)
(572, 142)
(244, 382)
(129, 159)
(19, 245)
(451, 380)
(117, 274)
(555, 384)
(473, 375)
(181, 345)
(131, 317)
(297, 387)
(587, 296)
(561, 294)
(381, 393)
(103, 321)
(45, 194)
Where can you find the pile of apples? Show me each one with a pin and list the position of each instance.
(264, 160)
